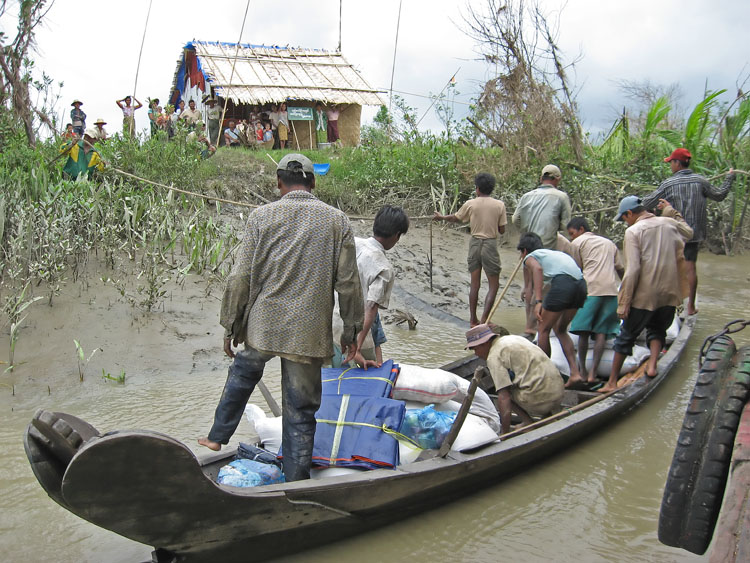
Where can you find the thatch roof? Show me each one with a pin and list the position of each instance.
(266, 74)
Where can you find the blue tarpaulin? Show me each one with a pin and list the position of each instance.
(373, 382)
(356, 431)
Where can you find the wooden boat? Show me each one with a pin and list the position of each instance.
(150, 488)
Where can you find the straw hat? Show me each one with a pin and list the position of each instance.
(76, 102)
(100, 121)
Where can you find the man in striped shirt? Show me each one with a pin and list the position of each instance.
(687, 192)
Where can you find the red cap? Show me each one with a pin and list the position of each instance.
(679, 154)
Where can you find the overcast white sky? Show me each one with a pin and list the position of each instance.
(92, 45)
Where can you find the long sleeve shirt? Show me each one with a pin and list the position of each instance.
(279, 297)
(543, 211)
(687, 191)
(654, 274)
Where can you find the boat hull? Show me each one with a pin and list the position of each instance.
(151, 488)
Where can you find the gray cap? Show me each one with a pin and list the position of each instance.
(295, 162)
(628, 203)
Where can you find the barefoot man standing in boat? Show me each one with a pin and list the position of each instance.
(653, 284)
(279, 302)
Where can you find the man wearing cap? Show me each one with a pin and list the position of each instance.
(525, 379)
(279, 302)
(78, 118)
(101, 132)
(83, 159)
(544, 211)
(687, 192)
(653, 284)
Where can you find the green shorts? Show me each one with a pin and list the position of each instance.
(598, 315)
(483, 254)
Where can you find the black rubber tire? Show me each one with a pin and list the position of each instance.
(697, 477)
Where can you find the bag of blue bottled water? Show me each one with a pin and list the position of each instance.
(249, 473)
(427, 427)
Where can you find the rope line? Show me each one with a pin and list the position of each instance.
(355, 217)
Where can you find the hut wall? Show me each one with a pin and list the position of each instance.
(349, 124)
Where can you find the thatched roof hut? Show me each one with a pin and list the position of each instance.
(265, 75)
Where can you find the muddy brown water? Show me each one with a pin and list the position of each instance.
(598, 501)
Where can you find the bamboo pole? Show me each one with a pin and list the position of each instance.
(231, 76)
(507, 286)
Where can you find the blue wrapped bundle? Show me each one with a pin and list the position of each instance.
(427, 427)
(373, 382)
(356, 431)
(249, 473)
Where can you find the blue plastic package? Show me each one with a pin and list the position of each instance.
(249, 473)
(427, 427)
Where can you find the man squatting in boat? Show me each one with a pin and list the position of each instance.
(526, 380)
(279, 302)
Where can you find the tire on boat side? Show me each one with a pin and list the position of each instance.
(697, 477)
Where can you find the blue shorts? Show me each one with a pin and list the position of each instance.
(598, 315)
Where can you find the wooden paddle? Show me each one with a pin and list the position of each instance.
(507, 286)
(458, 422)
(272, 404)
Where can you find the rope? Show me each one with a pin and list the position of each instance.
(231, 76)
(131, 124)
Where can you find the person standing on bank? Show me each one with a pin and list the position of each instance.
(279, 302)
(599, 259)
(687, 192)
(213, 116)
(128, 115)
(486, 216)
(567, 294)
(544, 211)
(653, 284)
(78, 118)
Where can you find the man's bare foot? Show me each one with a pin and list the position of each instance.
(692, 311)
(608, 387)
(215, 446)
(651, 372)
(574, 381)
(591, 379)
(473, 323)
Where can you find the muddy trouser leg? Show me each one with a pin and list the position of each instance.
(244, 374)
(301, 388)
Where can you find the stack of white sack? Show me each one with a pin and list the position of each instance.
(640, 353)
(437, 386)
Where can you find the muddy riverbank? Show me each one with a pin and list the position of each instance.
(597, 502)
